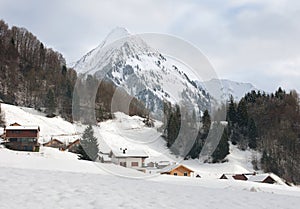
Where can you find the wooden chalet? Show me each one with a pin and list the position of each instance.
(177, 170)
(22, 138)
(55, 143)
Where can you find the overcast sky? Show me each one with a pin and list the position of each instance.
(246, 40)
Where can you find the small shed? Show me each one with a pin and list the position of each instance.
(177, 170)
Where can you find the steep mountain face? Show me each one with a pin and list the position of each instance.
(236, 89)
(130, 63)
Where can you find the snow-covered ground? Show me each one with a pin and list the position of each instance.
(56, 179)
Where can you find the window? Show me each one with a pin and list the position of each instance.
(185, 174)
(175, 174)
(133, 164)
(123, 164)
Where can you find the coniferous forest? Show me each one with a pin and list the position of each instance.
(269, 123)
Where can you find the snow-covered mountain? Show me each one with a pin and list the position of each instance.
(130, 63)
(228, 88)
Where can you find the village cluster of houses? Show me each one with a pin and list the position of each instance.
(253, 177)
(25, 138)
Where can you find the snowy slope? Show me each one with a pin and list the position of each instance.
(38, 181)
(56, 179)
(236, 89)
(131, 133)
(50, 127)
(143, 72)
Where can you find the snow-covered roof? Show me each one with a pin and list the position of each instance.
(129, 153)
(22, 128)
(173, 166)
(258, 177)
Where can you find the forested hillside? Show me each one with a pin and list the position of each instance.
(33, 75)
(269, 123)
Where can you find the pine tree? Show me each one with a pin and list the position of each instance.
(222, 149)
(242, 113)
(252, 134)
(231, 113)
(173, 125)
(201, 137)
(88, 149)
(206, 122)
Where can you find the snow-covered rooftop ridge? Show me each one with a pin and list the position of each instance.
(257, 177)
(27, 127)
(119, 153)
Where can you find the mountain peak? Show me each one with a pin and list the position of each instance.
(114, 35)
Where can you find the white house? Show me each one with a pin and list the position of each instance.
(129, 158)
